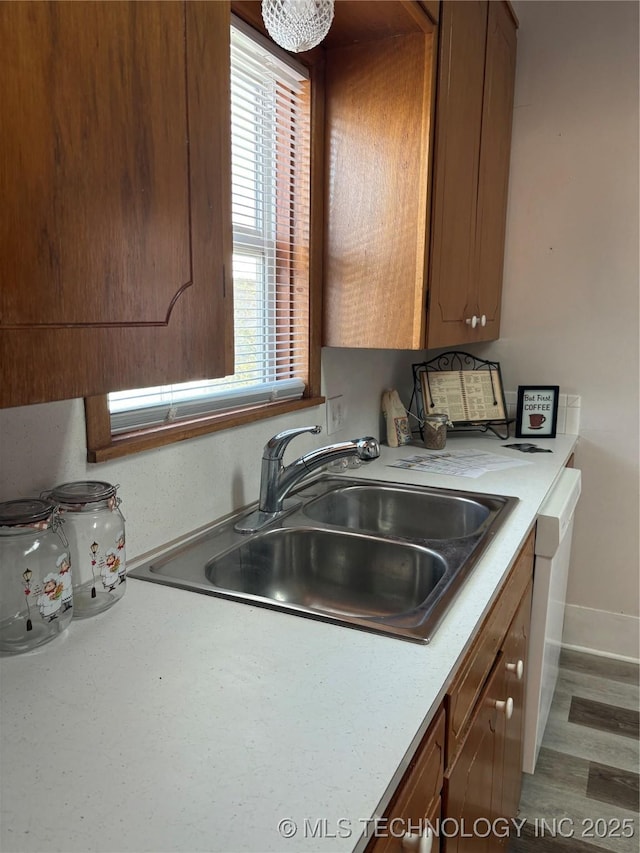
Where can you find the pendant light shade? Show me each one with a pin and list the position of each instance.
(297, 25)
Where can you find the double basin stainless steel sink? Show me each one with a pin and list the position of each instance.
(378, 556)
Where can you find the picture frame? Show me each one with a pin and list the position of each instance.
(537, 411)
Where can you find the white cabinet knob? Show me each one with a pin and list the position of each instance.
(418, 842)
(475, 320)
(507, 707)
(518, 668)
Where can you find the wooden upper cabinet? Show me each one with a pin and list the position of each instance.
(457, 156)
(415, 217)
(495, 156)
(115, 236)
(476, 76)
(379, 110)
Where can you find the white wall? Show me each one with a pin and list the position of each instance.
(570, 305)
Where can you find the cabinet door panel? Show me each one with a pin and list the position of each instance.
(71, 218)
(456, 163)
(378, 120)
(115, 179)
(417, 799)
(493, 178)
(473, 787)
(514, 650)
(477, 664)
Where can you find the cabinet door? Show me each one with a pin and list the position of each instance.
(115, 179)
(485, 780)
(456, 163)
(474, 670)
(416, 805)
(493, 178)
(471, 170)
(379, 102)
(473, 785)
(514, 661)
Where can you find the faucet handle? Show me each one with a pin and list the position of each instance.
(275, 447)
(367, 448)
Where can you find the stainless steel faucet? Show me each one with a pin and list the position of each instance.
(277, 481)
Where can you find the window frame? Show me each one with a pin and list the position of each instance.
(102, 445)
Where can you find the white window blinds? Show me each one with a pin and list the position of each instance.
(270, 143)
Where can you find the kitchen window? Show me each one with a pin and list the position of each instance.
(273, 341)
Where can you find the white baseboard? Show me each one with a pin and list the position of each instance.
(599, 632)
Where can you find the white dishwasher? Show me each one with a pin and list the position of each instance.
(554, 527)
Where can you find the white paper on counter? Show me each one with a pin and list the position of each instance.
(459, 463)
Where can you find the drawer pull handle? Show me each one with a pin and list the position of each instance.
(418, 842)
(472, 321)
(507, 707)
(518, 668)
(483, 320)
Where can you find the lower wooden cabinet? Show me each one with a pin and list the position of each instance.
(472, 789)
(482, 787)
(416, 804)
(467, 684)
(513, 663)
(465, 777)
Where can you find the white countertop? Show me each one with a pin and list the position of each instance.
(181, 722)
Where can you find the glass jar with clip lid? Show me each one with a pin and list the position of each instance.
(94, 527)
(36, 595)
(434, 429)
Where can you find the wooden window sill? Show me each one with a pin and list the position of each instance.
(102, 446)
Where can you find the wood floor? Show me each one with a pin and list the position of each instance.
(583, 797)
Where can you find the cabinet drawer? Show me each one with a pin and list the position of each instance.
(417, 797)
(466, 687)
